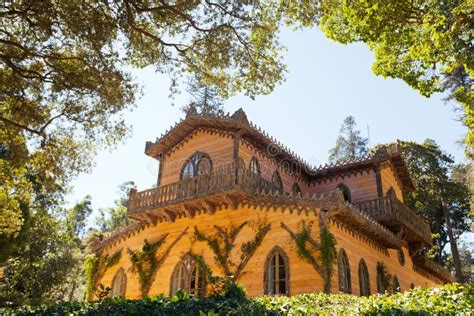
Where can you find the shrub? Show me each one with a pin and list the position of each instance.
(452, 299)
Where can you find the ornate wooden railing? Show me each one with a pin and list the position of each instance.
(227, 179)
(391, 212)
(424, 263)
(223, 179)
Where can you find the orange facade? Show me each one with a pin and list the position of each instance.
(368, 219)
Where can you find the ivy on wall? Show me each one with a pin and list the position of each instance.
(222, 242)
(145, 263)
(384, 279)
(321, 255)
(95, 268)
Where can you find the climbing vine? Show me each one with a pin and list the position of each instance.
(321, 255)
(145, 262)
(384, 279)
(223, 242)
(95, 268)
(220, 286)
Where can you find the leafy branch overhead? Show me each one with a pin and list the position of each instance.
(223, 242)
(145, 263)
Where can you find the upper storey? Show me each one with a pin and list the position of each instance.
(203, 158)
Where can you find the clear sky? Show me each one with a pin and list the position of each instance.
(325, 83)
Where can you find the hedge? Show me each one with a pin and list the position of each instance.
(451, 299)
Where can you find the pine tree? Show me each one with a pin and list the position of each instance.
(204, 98)
(349, 144)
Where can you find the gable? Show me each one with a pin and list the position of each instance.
(217, 144)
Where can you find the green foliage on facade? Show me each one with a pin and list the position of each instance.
(223, 241)
(95, 267)
(321, 255)
(450, 299)
(144, 262)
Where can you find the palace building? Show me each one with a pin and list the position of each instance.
(232, 201)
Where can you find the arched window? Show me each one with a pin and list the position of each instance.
(344, 272)
(254, 166)
(381, 278)
(276, 180)
(345, 192)
(395, 284)
(364, 281)
(296, 190)
(197, 165)
(401, 257)
(178, 282)
(119, 283)
(276, 278)
(189, 277)
(196, 282)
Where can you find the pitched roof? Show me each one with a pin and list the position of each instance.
(238, 122)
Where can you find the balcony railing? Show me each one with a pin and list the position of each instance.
(227, 180)
(224, 179)
(393, 213)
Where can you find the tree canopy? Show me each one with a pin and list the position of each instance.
(349, 143)
(441, 195)
(65, 86)
(428, 44)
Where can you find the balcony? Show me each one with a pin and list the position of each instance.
(395, 215)
(226, 185)
(230, 186)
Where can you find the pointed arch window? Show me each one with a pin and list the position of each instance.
(276, 278)
(344, 272)
(364, 281)
(119, 283)
(381, 278)
(395, 284)
(188, 276)
(197, 165)
(296, 190)
(178, 282)
(276, 180)
(254, 166)
(345, 192)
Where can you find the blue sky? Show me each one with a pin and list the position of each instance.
(325, 83)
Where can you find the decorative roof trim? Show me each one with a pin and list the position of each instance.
(239, 122)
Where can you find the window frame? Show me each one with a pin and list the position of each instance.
(276, 180)
(254, 162)
(396, 287)
(188, 265)
(343, 265)
(122, 286)
(346, 192)
(276, 251)
(296, 189)
(194, 160)
(364, 278)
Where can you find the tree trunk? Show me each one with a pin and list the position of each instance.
(73, 290)
(452, 241)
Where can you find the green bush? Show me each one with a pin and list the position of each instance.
(451, 299)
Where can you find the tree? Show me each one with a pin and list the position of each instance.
(349, 144)
(64, 87)
(427, 44)
(204, 98)
(116, 217)
(47, 265)
(467, 261)
(441, 196)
